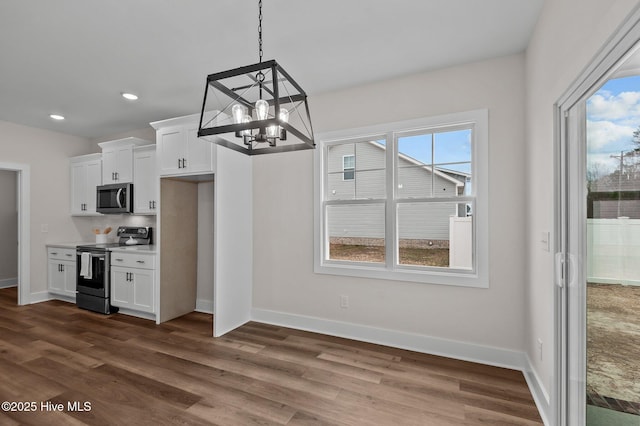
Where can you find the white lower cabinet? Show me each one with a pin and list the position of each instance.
(133, 281)
(61, 272)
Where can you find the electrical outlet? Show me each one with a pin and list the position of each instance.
(344, 302)
(540, 348)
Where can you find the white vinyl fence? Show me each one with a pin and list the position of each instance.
(460, 242)
(613, 251)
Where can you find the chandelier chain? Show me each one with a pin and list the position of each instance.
(260, 30)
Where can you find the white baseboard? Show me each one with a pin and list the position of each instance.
(204, 306)
(41, 296)
(134, 313)
(540, 395)
(8, 282)
(415, 342)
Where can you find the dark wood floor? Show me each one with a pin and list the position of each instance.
(133, 372)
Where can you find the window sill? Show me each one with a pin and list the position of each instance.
(459, 278)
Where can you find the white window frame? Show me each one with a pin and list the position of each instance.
(351, 169)
(479, 275)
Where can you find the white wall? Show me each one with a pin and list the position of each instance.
(568, 34)
(284, 280)
(204, 294)
(8, 227)
(47, 153)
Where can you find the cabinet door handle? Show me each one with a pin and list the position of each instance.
(140, 261)
(54, 252)
(117, 176)
(70, 255)
(184, 163)
(119, 260)
(179, 163)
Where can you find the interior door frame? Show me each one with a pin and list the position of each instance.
(614, 52)
(23, 190)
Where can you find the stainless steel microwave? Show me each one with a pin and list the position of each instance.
(116, 198)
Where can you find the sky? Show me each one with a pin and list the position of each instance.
(613, 114)
(449, 147)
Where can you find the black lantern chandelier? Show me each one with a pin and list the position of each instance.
(256, 109)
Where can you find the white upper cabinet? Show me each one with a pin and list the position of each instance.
(86, 175)
(180, 151)
(145, 180)
(117, 160)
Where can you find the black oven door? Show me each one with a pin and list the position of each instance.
(98, 283)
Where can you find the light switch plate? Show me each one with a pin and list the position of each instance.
(544, 240)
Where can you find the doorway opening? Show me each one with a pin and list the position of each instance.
(9, 230)
(598, 166)
(612, 257)
(20, 175)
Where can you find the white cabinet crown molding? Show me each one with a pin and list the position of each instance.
(131, 141)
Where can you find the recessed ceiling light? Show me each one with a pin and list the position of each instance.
(56, 117)
(129, 96)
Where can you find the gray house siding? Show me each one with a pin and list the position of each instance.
(369, 174)
(415, 220)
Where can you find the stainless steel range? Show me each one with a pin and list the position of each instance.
(93, 276)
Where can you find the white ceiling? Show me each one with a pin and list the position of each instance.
(75, 57)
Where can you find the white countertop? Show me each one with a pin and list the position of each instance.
(151, 248)
(69, 245)
(142, 248)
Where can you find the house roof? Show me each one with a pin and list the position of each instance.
(441, 172)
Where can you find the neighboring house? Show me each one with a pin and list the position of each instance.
(357, 172)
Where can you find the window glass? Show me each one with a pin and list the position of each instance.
(435, 234)
(356, 232)
(348, 167)
(449, 175)
(356, 170)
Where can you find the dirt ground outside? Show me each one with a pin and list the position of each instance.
(408, 255)
(613, 341)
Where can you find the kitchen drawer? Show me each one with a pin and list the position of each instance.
(133, 260)
(57, 253)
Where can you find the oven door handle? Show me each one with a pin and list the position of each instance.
(101, 256)
(118, 195)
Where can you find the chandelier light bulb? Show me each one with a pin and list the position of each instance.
(262, 109)
(272, 131)
(238, 112)
(246, 119)
(284, 115)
